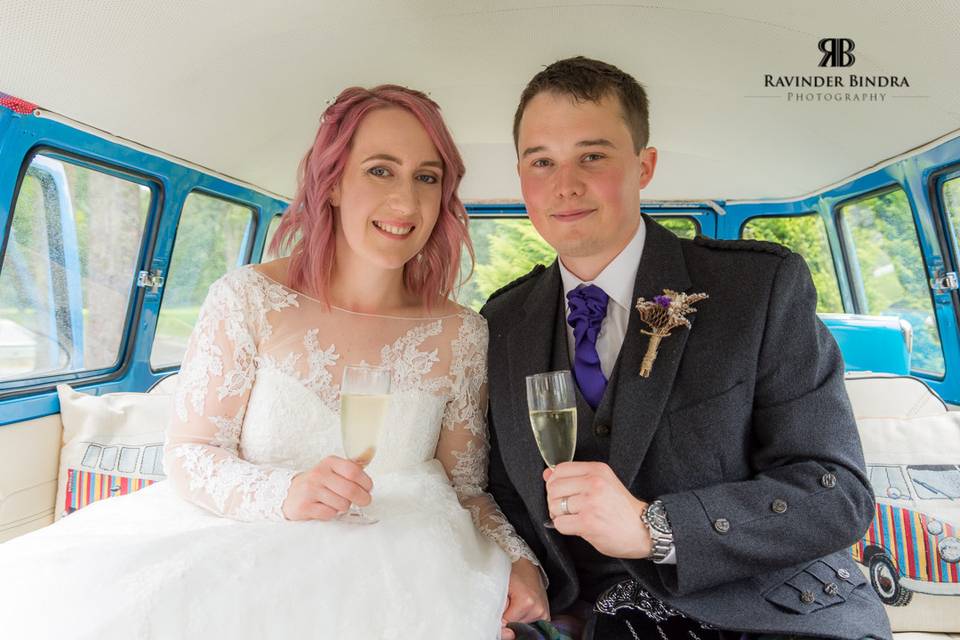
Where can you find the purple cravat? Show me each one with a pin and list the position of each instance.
(588, 308)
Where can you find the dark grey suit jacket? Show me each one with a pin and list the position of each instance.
(745, 408)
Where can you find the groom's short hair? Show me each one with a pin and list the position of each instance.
(586, 79)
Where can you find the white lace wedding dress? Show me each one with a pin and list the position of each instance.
(257, 402)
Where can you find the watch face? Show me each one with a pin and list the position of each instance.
(656, 515)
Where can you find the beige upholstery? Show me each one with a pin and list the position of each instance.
(166, 386)
(29, 462)
(879, 395)
(29, 458)
(883, 396)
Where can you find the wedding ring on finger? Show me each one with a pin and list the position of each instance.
(564, 506)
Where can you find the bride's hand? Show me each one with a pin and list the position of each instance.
(327, 490)
(526, 597)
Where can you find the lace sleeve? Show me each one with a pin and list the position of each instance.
(201, 456)
(464, 444)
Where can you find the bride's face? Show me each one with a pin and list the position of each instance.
(388, 199)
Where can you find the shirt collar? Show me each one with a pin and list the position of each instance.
(618, 277)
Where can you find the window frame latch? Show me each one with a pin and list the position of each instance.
(152, 280)
(944, 281)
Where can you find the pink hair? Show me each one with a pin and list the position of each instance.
(310, 214)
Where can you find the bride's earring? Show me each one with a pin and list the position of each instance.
(420, 257)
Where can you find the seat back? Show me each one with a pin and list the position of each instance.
(879, 395)
(29, 461)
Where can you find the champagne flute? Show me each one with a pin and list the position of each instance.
(364, 397)
(552, 403)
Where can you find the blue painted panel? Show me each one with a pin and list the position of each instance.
(19, 135)
(705, 217)
(916, 176)
(871, 343)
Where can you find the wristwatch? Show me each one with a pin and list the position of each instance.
(661, 533)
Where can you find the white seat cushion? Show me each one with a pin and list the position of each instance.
(911, 445)
(877, 395)
(112, 445)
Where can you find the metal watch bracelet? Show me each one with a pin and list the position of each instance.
(661, 533)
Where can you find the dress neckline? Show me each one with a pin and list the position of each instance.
(348, 311)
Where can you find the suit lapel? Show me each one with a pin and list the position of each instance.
(639, 402)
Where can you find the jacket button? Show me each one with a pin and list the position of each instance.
(602, 430)
(831, 589)
(779, 506)
(722, 525)
(807, 597)
(843, 574)
(828, 480)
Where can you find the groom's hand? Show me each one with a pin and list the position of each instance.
(603, 512)
(526, 597)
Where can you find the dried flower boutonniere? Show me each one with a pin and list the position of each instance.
(663, 314)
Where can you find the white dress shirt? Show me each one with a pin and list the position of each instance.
(616, 280)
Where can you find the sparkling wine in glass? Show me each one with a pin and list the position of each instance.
(364, 397)
(552, 403)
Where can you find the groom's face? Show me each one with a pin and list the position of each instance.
(580, 175)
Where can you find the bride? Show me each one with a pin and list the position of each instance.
(243, 541)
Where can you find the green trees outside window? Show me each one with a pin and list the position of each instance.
(807, 235)
(507, 248)
(886, 253)
(209, 243)
(69, 269)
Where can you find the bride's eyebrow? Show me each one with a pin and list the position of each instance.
(384, 156)
(387, 157)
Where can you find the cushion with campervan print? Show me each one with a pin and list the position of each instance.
(911, 552)
(112, 445)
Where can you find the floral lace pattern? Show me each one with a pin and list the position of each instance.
(258, 398)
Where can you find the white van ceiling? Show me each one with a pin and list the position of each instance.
(238, 86)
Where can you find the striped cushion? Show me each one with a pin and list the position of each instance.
(112, 445)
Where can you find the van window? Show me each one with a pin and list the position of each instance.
(806, 235)
(951, 200)
(271, 231)
(885, 259)
(888, 482)
(507, 248)
(681, 226)
(935, 481)
(68, 271)
(211, 240)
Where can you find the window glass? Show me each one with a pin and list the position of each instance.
(886, 258)
(806, 235)
(936, 481)
(210, 241)
(681, 226)
(951, 200)
(152, 462)
(888, 482)
(507, 248)
(69, 269)
(878, 480)
(91, 455)
(272, 231)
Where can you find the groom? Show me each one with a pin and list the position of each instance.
(718, 493)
